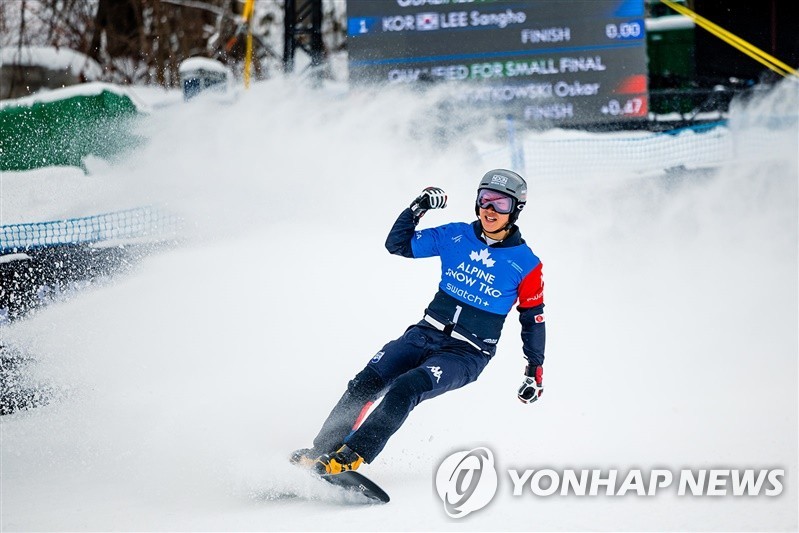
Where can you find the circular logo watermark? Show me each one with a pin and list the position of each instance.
(466, 481)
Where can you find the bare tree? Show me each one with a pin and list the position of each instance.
(144, 41)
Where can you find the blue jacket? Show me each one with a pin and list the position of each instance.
(480, 283)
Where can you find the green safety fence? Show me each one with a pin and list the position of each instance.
(63, 132)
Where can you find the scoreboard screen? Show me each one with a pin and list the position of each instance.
(545, 61)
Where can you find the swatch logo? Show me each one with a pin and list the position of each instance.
(467, 481)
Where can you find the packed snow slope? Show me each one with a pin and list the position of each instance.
(180, 390)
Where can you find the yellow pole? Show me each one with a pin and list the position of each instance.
(249, 9)
(733, 40)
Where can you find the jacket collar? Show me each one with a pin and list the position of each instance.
(514, 238)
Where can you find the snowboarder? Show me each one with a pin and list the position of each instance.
(486, 267)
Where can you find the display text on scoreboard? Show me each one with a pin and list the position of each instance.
(542, 60)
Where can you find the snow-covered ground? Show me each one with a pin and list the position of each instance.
(671, 310)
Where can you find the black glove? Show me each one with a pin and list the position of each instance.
(533, 386)
(431, 198)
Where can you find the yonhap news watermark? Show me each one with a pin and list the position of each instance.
(468, 480)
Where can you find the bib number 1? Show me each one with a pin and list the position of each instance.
(457, 314)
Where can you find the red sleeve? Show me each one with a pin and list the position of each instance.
(531, 289)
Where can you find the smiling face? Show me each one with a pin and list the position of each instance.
(492, 221)
(494, 210)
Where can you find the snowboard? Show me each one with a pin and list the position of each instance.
(352, 481)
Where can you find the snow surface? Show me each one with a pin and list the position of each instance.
(203, 63)
(182, 388)
(81, 89)
(52, 58)
(669, 22)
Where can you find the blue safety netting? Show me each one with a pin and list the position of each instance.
(138, 224)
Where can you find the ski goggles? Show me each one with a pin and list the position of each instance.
(502, 204)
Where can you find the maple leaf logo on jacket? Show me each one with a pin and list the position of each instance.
(482, 257)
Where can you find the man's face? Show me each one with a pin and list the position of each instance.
(494, 210)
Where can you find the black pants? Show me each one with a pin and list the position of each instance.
(422, 364)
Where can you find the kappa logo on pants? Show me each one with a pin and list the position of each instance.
(436, 371)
